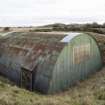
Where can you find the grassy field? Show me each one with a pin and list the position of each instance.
(88, 92)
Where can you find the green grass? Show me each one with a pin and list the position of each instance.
(88, 92)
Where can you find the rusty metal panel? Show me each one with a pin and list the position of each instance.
(81, 53)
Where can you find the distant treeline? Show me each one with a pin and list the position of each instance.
(94, 27)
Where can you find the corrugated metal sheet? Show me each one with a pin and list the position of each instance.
(69, 70)
(48, 62)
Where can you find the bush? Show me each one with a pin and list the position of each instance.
(6, 29)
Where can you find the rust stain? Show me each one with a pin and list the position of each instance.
(28, 49)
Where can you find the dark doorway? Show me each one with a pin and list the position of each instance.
(34, 76)
(26, 79)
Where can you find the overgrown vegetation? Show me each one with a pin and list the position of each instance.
(88, 92)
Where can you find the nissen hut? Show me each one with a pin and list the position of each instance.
(46, 61)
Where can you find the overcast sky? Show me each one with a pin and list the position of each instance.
(39, 12)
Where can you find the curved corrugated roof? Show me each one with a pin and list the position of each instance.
(29, 49)
(33, 48)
